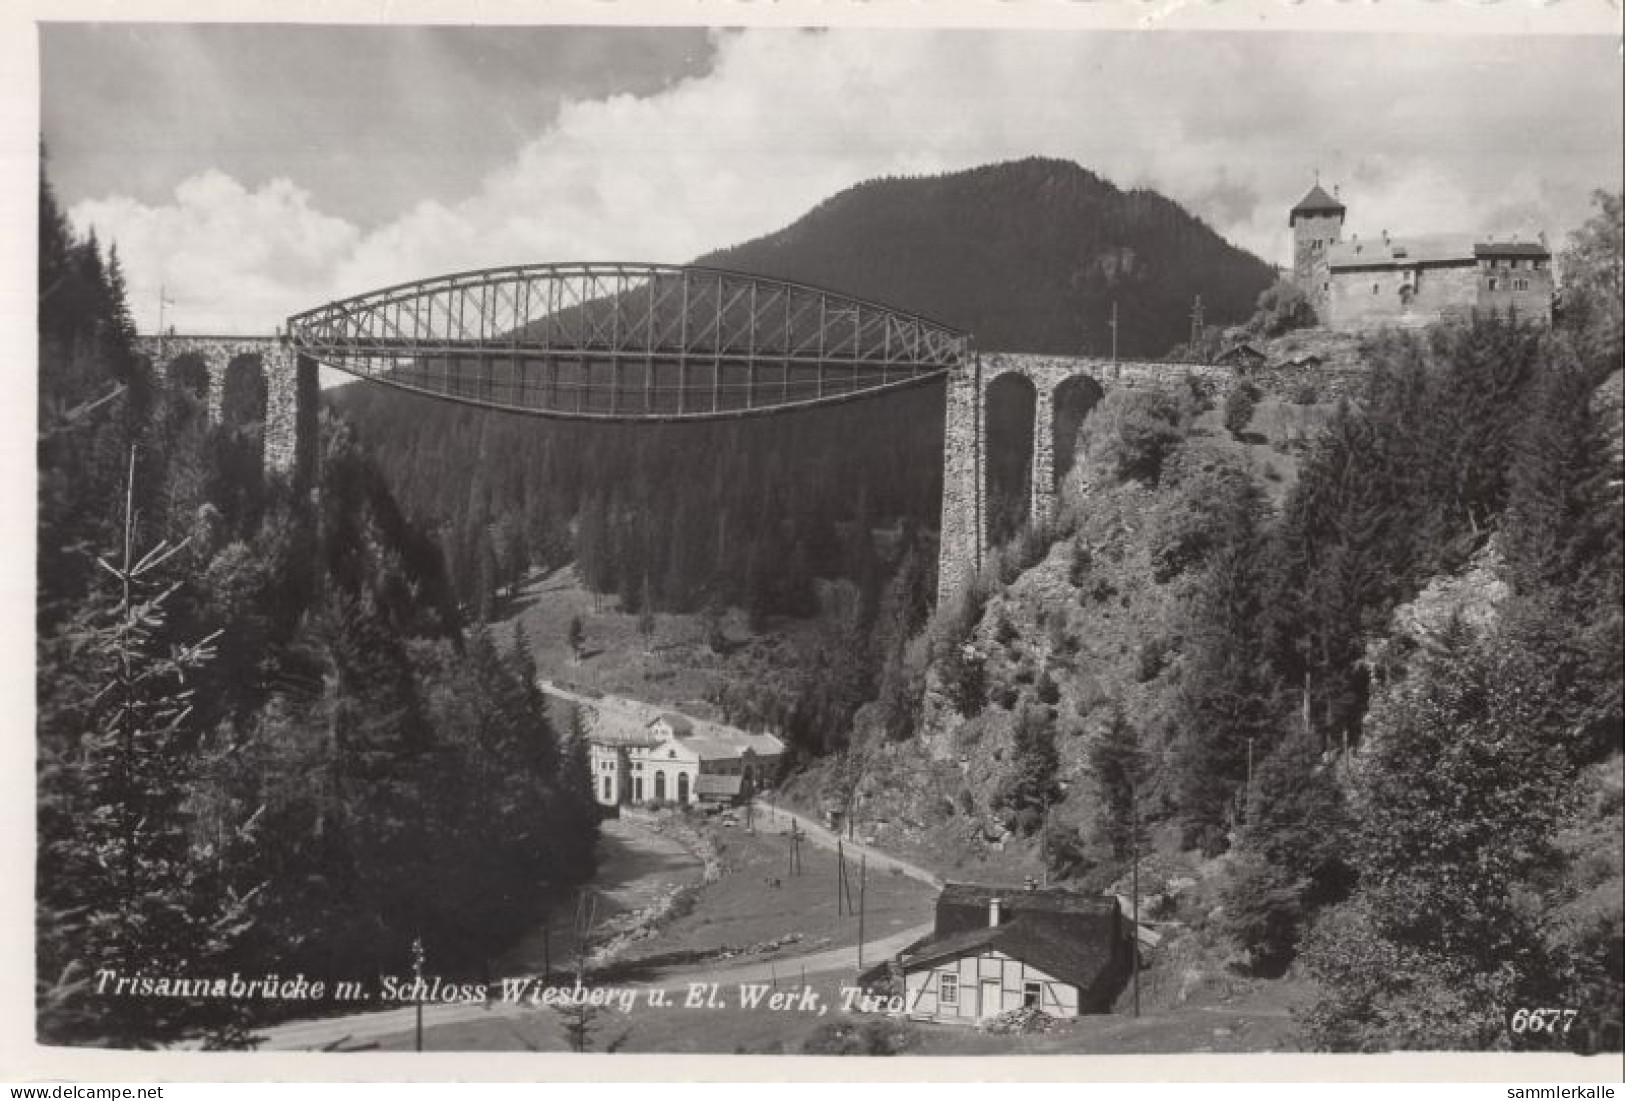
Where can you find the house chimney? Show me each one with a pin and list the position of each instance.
(992, 912)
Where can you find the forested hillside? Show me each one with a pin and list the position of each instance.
(266, 744)
(1366, 728)
(1028, 255)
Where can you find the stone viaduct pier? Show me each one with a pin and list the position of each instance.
(1048, 382)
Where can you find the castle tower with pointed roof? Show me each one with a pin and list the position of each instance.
(1317, 225)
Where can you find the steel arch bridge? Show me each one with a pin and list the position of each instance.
(628, 342)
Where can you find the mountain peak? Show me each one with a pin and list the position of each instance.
(1028, 255)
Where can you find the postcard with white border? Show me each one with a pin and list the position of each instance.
(1088, 540)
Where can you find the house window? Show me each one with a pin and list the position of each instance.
(1376, 288)
(1031, 994)
(1493, 282)
(948, 989)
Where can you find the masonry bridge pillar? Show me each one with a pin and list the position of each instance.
(292, 390)
(965, 489)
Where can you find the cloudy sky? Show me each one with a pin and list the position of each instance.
(254, 171)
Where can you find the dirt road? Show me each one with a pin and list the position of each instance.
(824, 838)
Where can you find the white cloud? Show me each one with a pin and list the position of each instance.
(229, 259)
(1231, 126)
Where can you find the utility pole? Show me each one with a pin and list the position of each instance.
(1134, 905)
(1114, 332)
(840, 876)
(1043, 845)
(586, 912)
(1250, 766)
(1196, 326)
(163, 300)
(863, 883)
(417, 987)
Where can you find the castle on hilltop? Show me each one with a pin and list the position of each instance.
(1356, 285)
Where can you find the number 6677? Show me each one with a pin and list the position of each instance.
(1544, 1020)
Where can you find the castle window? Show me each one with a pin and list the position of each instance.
(1376, 288)
(1493, 282)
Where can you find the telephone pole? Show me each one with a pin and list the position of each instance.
(1134, 905)
(840, 877)
(417, 989)
(163, 300)
(863, 883)
(1114, 332)
(1196, 325)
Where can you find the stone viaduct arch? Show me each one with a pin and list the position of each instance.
(1064, 391)
(241, 378)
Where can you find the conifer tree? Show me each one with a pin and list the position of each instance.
(1119, 766)
(126, 890)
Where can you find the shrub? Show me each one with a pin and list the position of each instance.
(1201, 393)
(1214, 507)
(1137, 431)
(1066, 854)
(1062, 642)
(1048, 691)
(1282, 307)
(1005, 633)
(1150, 659)
(1239, 408)
(1306, 394)
(965, 678)
(1261, 912)
(1082, 559)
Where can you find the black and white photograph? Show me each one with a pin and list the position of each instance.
(809, 536)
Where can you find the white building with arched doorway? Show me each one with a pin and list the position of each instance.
(676, 759)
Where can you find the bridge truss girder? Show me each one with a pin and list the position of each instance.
(627, 341)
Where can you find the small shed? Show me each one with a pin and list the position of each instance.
(1242, 355)
(713, 788)
(1307, 362)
